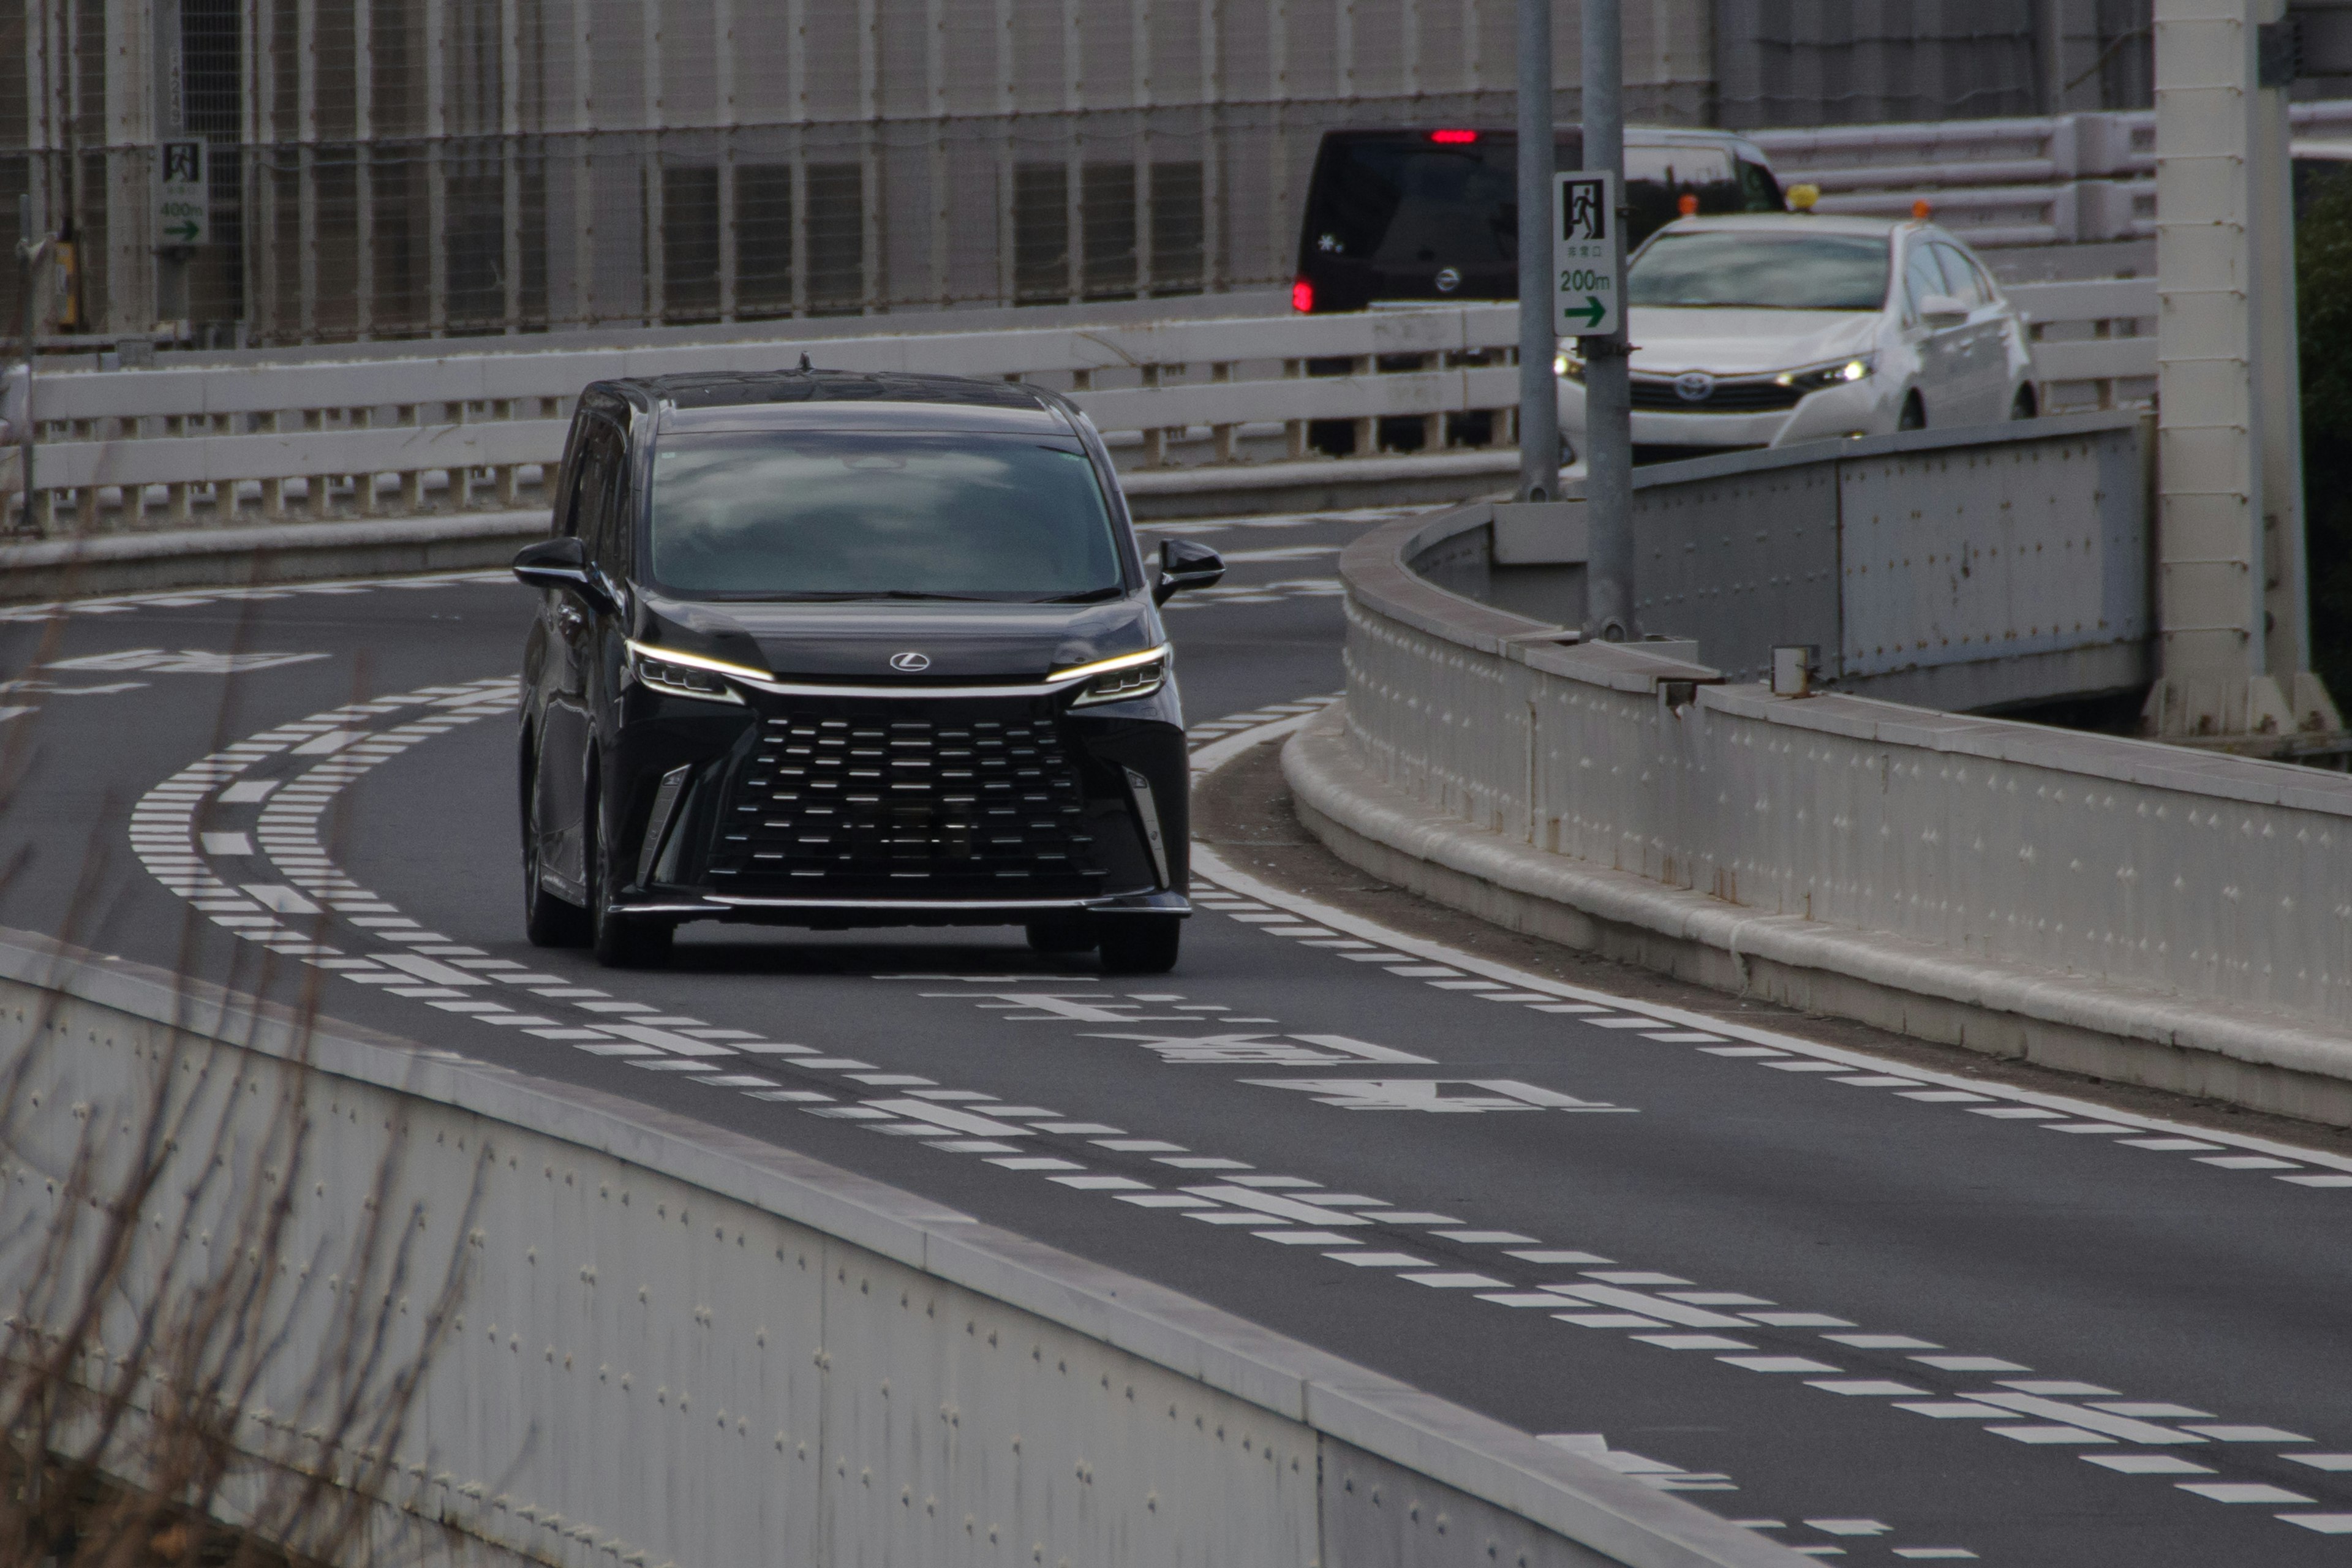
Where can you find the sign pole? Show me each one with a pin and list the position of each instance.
(28, 254)
(1538, 394)
(1608, 419)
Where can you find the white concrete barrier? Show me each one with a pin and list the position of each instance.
(2140, 911)
(682, 1347)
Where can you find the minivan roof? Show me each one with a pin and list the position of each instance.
(753, 399)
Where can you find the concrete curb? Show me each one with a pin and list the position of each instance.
(1583, 1502)
(2271, 1062)
(104, 564)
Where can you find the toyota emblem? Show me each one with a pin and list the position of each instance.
(910, 662)
(1695, 386)
(1448, 279)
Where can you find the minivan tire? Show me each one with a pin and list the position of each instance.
(1141, 944)
(548, 921)
(619, 940)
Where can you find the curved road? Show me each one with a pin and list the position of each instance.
(1893, 1308)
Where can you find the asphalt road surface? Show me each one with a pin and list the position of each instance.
(1886, 1308)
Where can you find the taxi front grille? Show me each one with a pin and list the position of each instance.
(968, 800)
(1723, 398)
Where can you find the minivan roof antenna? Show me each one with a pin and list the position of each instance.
(804, 363)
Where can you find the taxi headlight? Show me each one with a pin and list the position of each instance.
(1838, 373)
(1568, 362)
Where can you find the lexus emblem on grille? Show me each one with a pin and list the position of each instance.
(1448, 280)
(910, 662)
(1695, 386)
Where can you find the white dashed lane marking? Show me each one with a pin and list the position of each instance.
(315, 896)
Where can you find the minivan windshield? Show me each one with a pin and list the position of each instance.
(863, 514)
(1773, 270)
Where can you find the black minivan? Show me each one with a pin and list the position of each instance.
(1417, 216)
(832, 649)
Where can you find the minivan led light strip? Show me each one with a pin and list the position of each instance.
(760, 680)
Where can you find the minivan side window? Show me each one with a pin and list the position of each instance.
(592, 486)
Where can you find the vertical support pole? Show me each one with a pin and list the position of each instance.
(1538, 396)
(1008, 162)
(510, 68)
(306, 168)
(363, 175)
(2231, 597)
(1608, 419)
(1214, 271)
(583, 142)
(1074, 131)
(2050, 55)
(796, 87)
(436, 169)
(722, 33)
(935, 73)
(28, 257)
(655, 225)
(1139, 35)
(873, 266)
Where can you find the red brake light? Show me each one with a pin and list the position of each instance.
(1302, 296)
(1688, 205)
(1453, 138)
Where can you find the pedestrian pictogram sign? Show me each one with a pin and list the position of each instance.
(184, 203)
(1586, 253)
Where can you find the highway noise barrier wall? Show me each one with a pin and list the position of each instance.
(675, 1346)
(2135, 910)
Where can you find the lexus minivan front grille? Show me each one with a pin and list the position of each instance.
(916, 800)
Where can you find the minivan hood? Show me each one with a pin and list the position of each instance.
(856, 641)
(1730, 342)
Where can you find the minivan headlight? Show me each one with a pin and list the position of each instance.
(1118, 679)
(680, 675)
(1568, 362)
(1839, 373)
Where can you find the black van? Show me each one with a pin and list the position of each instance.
(832, 649)
(1399, 216)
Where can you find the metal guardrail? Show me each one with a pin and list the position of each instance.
(2068, 179)
(679, 1346)
(124, 451)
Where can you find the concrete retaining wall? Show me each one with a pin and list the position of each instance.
(682, 1346)
(2118, 906)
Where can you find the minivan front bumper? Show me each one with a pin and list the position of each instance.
(918, 807)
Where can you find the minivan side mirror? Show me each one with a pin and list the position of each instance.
(1942, 310)
(561, 563)
(1184, 564)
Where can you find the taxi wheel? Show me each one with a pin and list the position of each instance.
(1141, 944)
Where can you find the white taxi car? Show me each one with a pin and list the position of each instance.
(1768, 329)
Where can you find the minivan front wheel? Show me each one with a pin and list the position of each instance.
(1141, 944)
(547, 920)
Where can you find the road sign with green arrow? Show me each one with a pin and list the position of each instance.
(184, 204)
(1585, 259)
